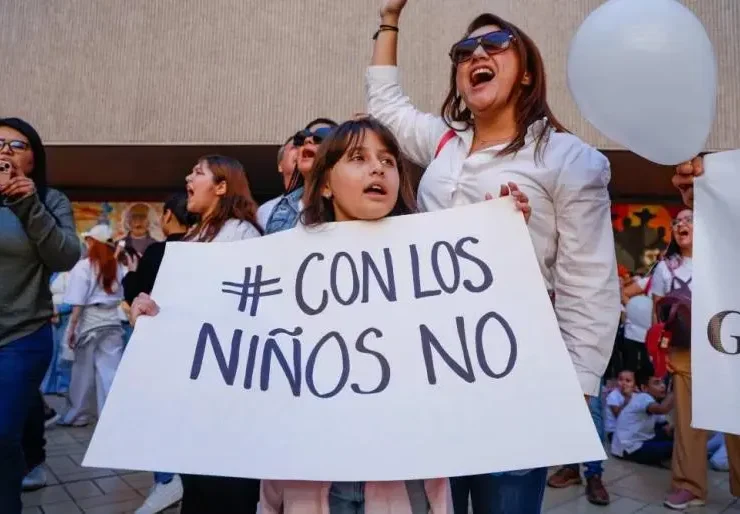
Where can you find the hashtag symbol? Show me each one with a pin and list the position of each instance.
(251, 289)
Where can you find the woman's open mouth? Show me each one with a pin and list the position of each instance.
(308, 153)
(481, 75)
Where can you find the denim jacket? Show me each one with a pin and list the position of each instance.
(286, 213)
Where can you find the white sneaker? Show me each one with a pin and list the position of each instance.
(35, 479)
(162, 496)
(52, 421)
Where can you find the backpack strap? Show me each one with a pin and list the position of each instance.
(649, 283)
(442, 142)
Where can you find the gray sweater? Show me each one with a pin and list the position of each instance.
(33, 244)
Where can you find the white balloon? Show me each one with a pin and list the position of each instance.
(644, 73)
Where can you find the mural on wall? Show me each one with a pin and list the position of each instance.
(137, 219)
(641, 233)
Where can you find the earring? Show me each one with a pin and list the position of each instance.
(327, 195)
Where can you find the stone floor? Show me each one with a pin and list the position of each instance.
(74, 489)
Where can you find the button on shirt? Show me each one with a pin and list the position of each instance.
(571, 211)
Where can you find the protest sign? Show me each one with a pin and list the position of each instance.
(416, 347)
(715, 319)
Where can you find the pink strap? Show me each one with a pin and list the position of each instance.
(442, 142)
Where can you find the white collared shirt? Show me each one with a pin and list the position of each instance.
(571, 212)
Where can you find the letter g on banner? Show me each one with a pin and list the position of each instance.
(714, 333)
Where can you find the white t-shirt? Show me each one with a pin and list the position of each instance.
(84, 288)
(639, 314)
(663, 279)
(635, 425)
(614, 399)
(265, 211)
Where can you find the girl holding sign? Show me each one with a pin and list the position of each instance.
(496, 126)
(218, 192)
(358, 175)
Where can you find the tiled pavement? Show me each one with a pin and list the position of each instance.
(73, 489)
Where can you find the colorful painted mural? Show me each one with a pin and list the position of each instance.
(123, 217)
(641, 232)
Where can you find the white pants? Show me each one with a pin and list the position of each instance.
(94, 367)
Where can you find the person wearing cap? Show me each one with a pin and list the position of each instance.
(94, 332)
(37, 238)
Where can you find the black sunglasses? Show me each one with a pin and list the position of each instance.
(13, 144)
(318, 135)
(493, 43)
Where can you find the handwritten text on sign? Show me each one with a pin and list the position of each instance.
(350, 280)
(422, 346)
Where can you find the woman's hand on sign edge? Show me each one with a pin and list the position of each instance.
(520, 199)
(143, 306)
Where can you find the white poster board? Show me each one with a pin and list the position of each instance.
(715, 310)
(384, 389)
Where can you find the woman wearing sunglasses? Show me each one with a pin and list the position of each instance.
(285, 213)
(495, 127)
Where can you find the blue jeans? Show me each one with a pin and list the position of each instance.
(59, 374)
(163, 478)
(127, 331)
(593, 469)
(22, 366)
(347, 498)
(500, 493)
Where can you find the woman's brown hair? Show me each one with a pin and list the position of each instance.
(104, 264)
(237, 203)
(343, 139)
(531, 101)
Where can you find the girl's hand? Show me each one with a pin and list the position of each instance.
(520, 199)
(392, 8)
(143, 306)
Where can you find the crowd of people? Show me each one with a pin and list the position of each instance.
(63, 332)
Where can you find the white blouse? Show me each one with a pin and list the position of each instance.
(571, 212)
(236, 230)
